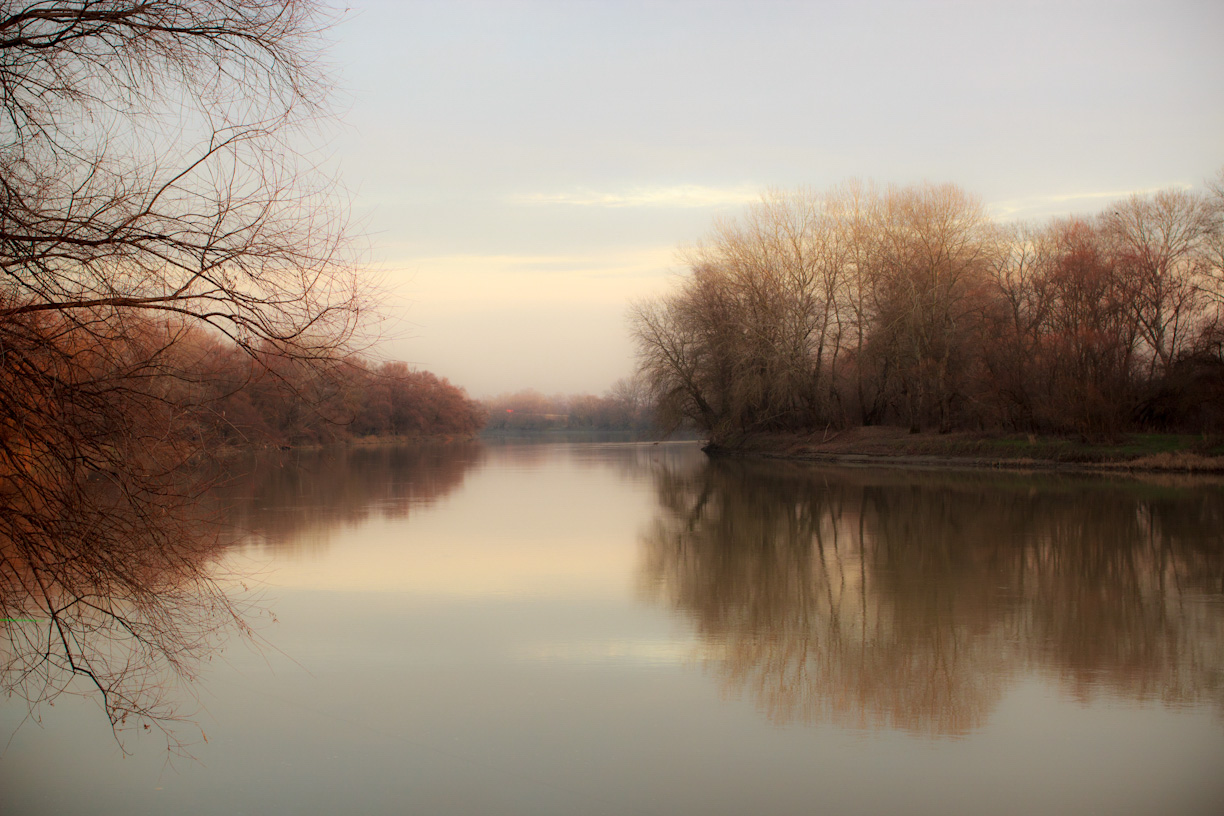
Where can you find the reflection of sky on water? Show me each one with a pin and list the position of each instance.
(570, 543)
(647, 652)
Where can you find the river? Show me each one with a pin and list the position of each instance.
(520, 628)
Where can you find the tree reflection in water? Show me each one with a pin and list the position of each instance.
(912, 600)
(117, 599)
(125, 599)
(296, 498)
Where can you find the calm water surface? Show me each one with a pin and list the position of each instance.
(616, 629)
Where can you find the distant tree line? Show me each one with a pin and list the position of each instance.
(624, 407)
(263, 398)
(188, 386)
(910, 306)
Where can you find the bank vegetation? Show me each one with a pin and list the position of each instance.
(910, 306)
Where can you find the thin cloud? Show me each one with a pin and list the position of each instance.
(684, 196)
(1065, 203)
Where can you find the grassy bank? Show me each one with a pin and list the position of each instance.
(884, 445)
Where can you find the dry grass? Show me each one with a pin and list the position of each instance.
(892, 445)
(1182, 461)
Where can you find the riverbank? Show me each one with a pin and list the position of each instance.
(867, 446)
(226, 452)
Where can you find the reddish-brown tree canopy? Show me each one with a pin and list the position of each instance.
(909, 306)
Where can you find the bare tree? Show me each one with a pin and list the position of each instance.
(679, 362)
(1214, 273)
(148, 164)
(936, 247)
(752, 340)
(853, 251)
(1022, 302)
(1160, 244)
(1090, 336)
(762, 269)
(155, 182)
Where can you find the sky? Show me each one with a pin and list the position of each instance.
(523, 171)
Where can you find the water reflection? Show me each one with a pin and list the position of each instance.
(886, 599)
(132, 599)
(298, 498)
(122, 604)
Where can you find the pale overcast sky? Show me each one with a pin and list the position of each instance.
(525, 169)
